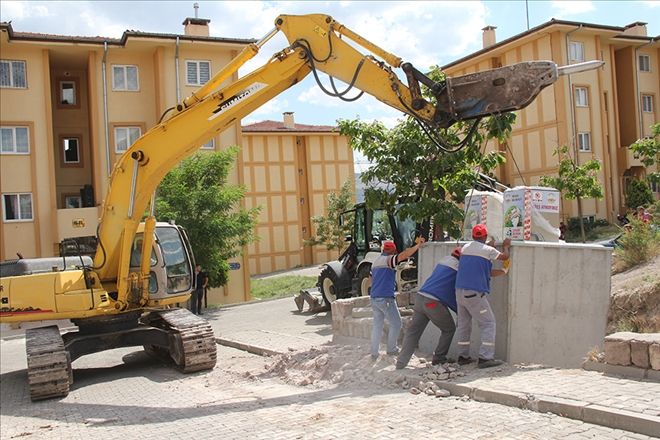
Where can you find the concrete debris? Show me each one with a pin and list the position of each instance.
(442, 393)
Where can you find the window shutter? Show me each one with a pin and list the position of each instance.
(204, 72)
(191, 72)
(118, 82)
(131, 77)
(18, 73)
(5, 77)
(22, 144)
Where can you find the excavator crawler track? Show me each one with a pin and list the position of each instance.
(49, 365)
(194, 347)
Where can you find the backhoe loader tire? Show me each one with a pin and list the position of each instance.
(364, 282)
(328, 285)
(49, 365)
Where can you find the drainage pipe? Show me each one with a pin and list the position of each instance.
(104, 74)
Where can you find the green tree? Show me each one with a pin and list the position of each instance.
(196, 194)
(638, 193)
(329, 232)
(409, 166)
(576, 182)
(648, 151)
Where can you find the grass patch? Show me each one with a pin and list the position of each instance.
(278, 287)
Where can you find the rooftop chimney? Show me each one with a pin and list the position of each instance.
(198, 27)
(288, 120)
(637, 28)
(489, 36)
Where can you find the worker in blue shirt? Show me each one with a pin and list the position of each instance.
(383, 303)
(433, 302)
(475, 269)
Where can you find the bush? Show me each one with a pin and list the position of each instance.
(639, 243)
(638, 193)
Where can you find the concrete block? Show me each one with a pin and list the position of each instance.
(617, 352)
(650, 338)
(501, 397)
(653, 375)
(562, 407)
(361, 301)
(621, 419)
(403, 299)
(654, 356)
(639, 354)
(362, 312)
(622, 336)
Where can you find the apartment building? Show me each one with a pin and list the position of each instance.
(597, 114)
(289, 169)
(70, 106)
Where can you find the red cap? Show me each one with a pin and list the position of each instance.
(479, 231)
(456, 252)
(389, 247)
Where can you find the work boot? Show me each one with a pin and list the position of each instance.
(464, 360)
(437, 360)
(488, 363)
(393, 353)
(298, 299)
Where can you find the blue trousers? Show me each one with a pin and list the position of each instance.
(385, 309)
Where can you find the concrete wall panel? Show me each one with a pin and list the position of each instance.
(551, 308)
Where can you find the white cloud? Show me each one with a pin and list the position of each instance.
(651, 3)
(566, 8)
(22, 10)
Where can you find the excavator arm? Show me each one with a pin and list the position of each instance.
(316, 43)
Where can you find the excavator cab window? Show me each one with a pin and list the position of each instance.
(136, 252)
(177, 261)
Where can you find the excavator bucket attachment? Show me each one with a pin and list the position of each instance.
(494, 91)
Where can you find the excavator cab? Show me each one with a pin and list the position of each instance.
(172, 261)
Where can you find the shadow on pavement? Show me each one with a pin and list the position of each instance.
(127, 414)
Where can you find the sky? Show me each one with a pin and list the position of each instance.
(424, 33)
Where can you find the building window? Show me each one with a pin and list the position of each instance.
(12, 74)
(125, 78)
(581, 97)
(644, 63)
(14, 140)
(72, 202)
(655, 186)
(17, 207)
(647, 103)
(576, 52)
(71, 150)
(197, 72)
(68, 92)
(210, 145)
(125, 137)
(584, 141)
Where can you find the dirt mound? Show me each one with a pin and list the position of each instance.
(635, 299)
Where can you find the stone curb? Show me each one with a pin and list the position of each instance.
(574, 409)
(622, 370)
(261, 351)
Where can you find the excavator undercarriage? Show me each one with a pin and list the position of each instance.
(174, 334)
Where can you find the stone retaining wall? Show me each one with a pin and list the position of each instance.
(352, 317)
(641, 350)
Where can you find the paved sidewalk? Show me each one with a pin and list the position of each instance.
(275, 327)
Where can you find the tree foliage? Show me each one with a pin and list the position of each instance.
(329, 231)
(576, 182)
(638, 193)
(409, 167)
(648, 151)
(196, 194)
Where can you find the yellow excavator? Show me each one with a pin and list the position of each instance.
(126, 295)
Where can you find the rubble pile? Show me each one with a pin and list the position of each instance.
(353, 366)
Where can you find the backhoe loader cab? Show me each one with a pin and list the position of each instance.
(349, 275)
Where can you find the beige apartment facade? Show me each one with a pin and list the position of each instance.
(289, 169)
(70, 106)
(597, 114)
